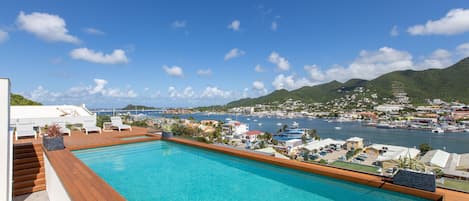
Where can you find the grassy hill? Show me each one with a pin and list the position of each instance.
(16, 99)
(449, 84)
(137, 107)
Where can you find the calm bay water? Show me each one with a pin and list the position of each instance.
(452, 142)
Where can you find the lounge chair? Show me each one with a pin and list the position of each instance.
(117, 123)
(25, 130)
(64, 129)
(90, 126)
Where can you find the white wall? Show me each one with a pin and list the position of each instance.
(55, 189)
(6, 143)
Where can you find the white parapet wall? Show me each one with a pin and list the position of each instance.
(55, 189)
(6, 143)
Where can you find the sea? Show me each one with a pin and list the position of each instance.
(450, 142)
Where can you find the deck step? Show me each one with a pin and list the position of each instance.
(28, 150)
(27, 190)
(28, 160)
(36, 164)
(26, 155)
(29, 183)
(28, 171)
(27, 177)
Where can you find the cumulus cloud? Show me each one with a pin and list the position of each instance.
(179, 24)
(46, 26)
(456, 21)
(215, 92)
(259, 68)
(188, 92)
(235, 25)
(281, 62)
(259, 87)
(94, 31)
(463, 50)
(3, 36)
(440, 58)
(79, 94)
(290, 82)
(233, 53)
(204, 72)
(116, 57)
(174, 71)
(394, 31)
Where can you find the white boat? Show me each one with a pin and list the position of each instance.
(260, 124)
(338, 128)
(249, 119)
(466, 130)
(295, 124)
(255, 120)
(279, 124)
(438, 130)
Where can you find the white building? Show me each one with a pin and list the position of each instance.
(238, 128)
(391, 152)
(318, 145)
(389, 108)
(436, 158)
(42, 115)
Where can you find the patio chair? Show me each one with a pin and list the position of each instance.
(117, 123)
(25, 130)
(90, 126)
(64, 129)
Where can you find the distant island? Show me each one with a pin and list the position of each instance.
(138, 107)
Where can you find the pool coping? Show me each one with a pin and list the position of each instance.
(79, 181)
(355, 177)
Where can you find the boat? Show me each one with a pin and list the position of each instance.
(466, 130)
(338, 128)
(279, 124)
(291, 133)
(438, 130)
(259, 124)
(255, 120)
(385, 126)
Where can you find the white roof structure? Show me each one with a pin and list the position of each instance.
(272, 151)
(391, 152)
(436, 157)
(293, 143)
(317, 145)
(48, 114)
(354, 139)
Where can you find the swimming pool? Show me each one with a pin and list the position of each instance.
(161, 170)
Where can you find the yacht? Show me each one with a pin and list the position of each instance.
(438, 130)
(338, 128)
(279, 124)
(291, 133)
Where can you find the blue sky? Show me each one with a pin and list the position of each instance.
(191, 53)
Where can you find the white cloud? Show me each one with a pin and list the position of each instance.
(281, 62)
(79, 94)
(215, 92)
(233, 53)
(94, 31)
(394, 31)
(179, 24)
(3, 36)
(116, 57)
(204, 72)
(235, 25)
(290, 82)
(46, 26)
(463, 50)
(440, 58)
(456, 21)
(188, 92)
(259, 87)
(274, 26)
(259, 68)
(174, 71)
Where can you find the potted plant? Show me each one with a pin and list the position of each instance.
(53, 139)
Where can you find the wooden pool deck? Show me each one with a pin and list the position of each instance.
(82, 183)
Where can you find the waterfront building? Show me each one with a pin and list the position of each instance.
(319, 145)
(354, 143)
(389, 108)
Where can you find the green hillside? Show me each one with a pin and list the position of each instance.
(449, 84)
(16, 99)
(137, 107)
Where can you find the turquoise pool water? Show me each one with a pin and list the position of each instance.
(161, 170)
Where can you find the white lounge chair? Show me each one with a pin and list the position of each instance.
(64, 129)
(117, 123)
(25, 130)
(90, 126)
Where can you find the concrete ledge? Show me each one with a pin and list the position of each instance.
(365, 179)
